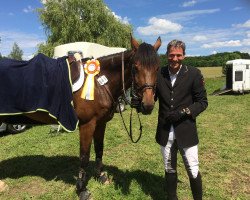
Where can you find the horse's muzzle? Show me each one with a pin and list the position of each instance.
(146, 109)
(147, 103)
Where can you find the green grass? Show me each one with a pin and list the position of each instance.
(39, 165)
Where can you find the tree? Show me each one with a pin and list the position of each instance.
(68, 21)
(16, 52)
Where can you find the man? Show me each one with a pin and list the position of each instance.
(182, 97)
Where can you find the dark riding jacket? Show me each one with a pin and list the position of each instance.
(188, 92)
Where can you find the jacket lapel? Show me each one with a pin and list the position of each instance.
(165, 74)
(181, 75)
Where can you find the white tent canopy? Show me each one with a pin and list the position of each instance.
(88, 49)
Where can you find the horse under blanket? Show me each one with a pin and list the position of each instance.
(40, 84)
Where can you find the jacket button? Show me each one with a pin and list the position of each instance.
(172, 99)
(171, 106)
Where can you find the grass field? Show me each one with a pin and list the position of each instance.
(211, 72)
(39, 165)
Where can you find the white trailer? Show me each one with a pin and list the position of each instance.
(238, 75)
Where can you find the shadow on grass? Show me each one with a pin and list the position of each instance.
(64, 168)
(151, 184)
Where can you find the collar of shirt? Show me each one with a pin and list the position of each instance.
(173, 76)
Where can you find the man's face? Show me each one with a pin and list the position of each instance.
(175, 57)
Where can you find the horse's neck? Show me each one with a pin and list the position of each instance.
(114, 75)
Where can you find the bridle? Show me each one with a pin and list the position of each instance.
(136, 98)
(137, 91)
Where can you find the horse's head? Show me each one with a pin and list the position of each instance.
(144, 72)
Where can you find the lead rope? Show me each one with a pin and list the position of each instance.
(123, 82)
(130, 132)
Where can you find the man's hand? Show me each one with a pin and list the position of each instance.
(175, 116)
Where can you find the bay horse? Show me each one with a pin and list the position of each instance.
(136, 67)
(141, 64)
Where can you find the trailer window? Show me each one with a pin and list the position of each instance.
(238, 76)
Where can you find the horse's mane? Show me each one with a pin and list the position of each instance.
(146, 55)
(113, 60)
(114, 56)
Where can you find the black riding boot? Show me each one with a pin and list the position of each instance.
(196, 187)
(171, 185)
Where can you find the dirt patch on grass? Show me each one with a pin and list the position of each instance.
(32, 188)
(239, 184)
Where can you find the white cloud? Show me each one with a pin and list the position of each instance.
(246, 42)
(124, 20)
(28, 9)
(248, 34)
(189, 3)
(187, 15)
(159, 26)
(43, 1)
(244, 25)
(237, 8)
(230, 43)
(214, 52)
(199, 38)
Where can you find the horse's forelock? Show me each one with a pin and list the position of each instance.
(146, 55)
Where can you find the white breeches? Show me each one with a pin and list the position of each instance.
(189, 156)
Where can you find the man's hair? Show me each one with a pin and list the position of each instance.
(176, 43)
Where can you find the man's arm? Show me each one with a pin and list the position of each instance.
(199, 95)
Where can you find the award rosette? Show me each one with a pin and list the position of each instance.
(91, 68)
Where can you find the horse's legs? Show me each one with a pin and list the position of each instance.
(86, 135)
(98, 143)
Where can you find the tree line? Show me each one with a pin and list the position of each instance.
(214, 60)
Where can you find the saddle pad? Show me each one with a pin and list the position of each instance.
(40, 84)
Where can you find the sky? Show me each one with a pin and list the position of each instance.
(206, 26)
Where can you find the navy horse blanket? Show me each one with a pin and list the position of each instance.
(40, 84)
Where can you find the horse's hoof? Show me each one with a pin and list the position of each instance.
(103, 178)
(85, 195)
(3, 186)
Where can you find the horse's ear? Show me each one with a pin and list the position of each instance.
(157, 44)
(134, 43)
